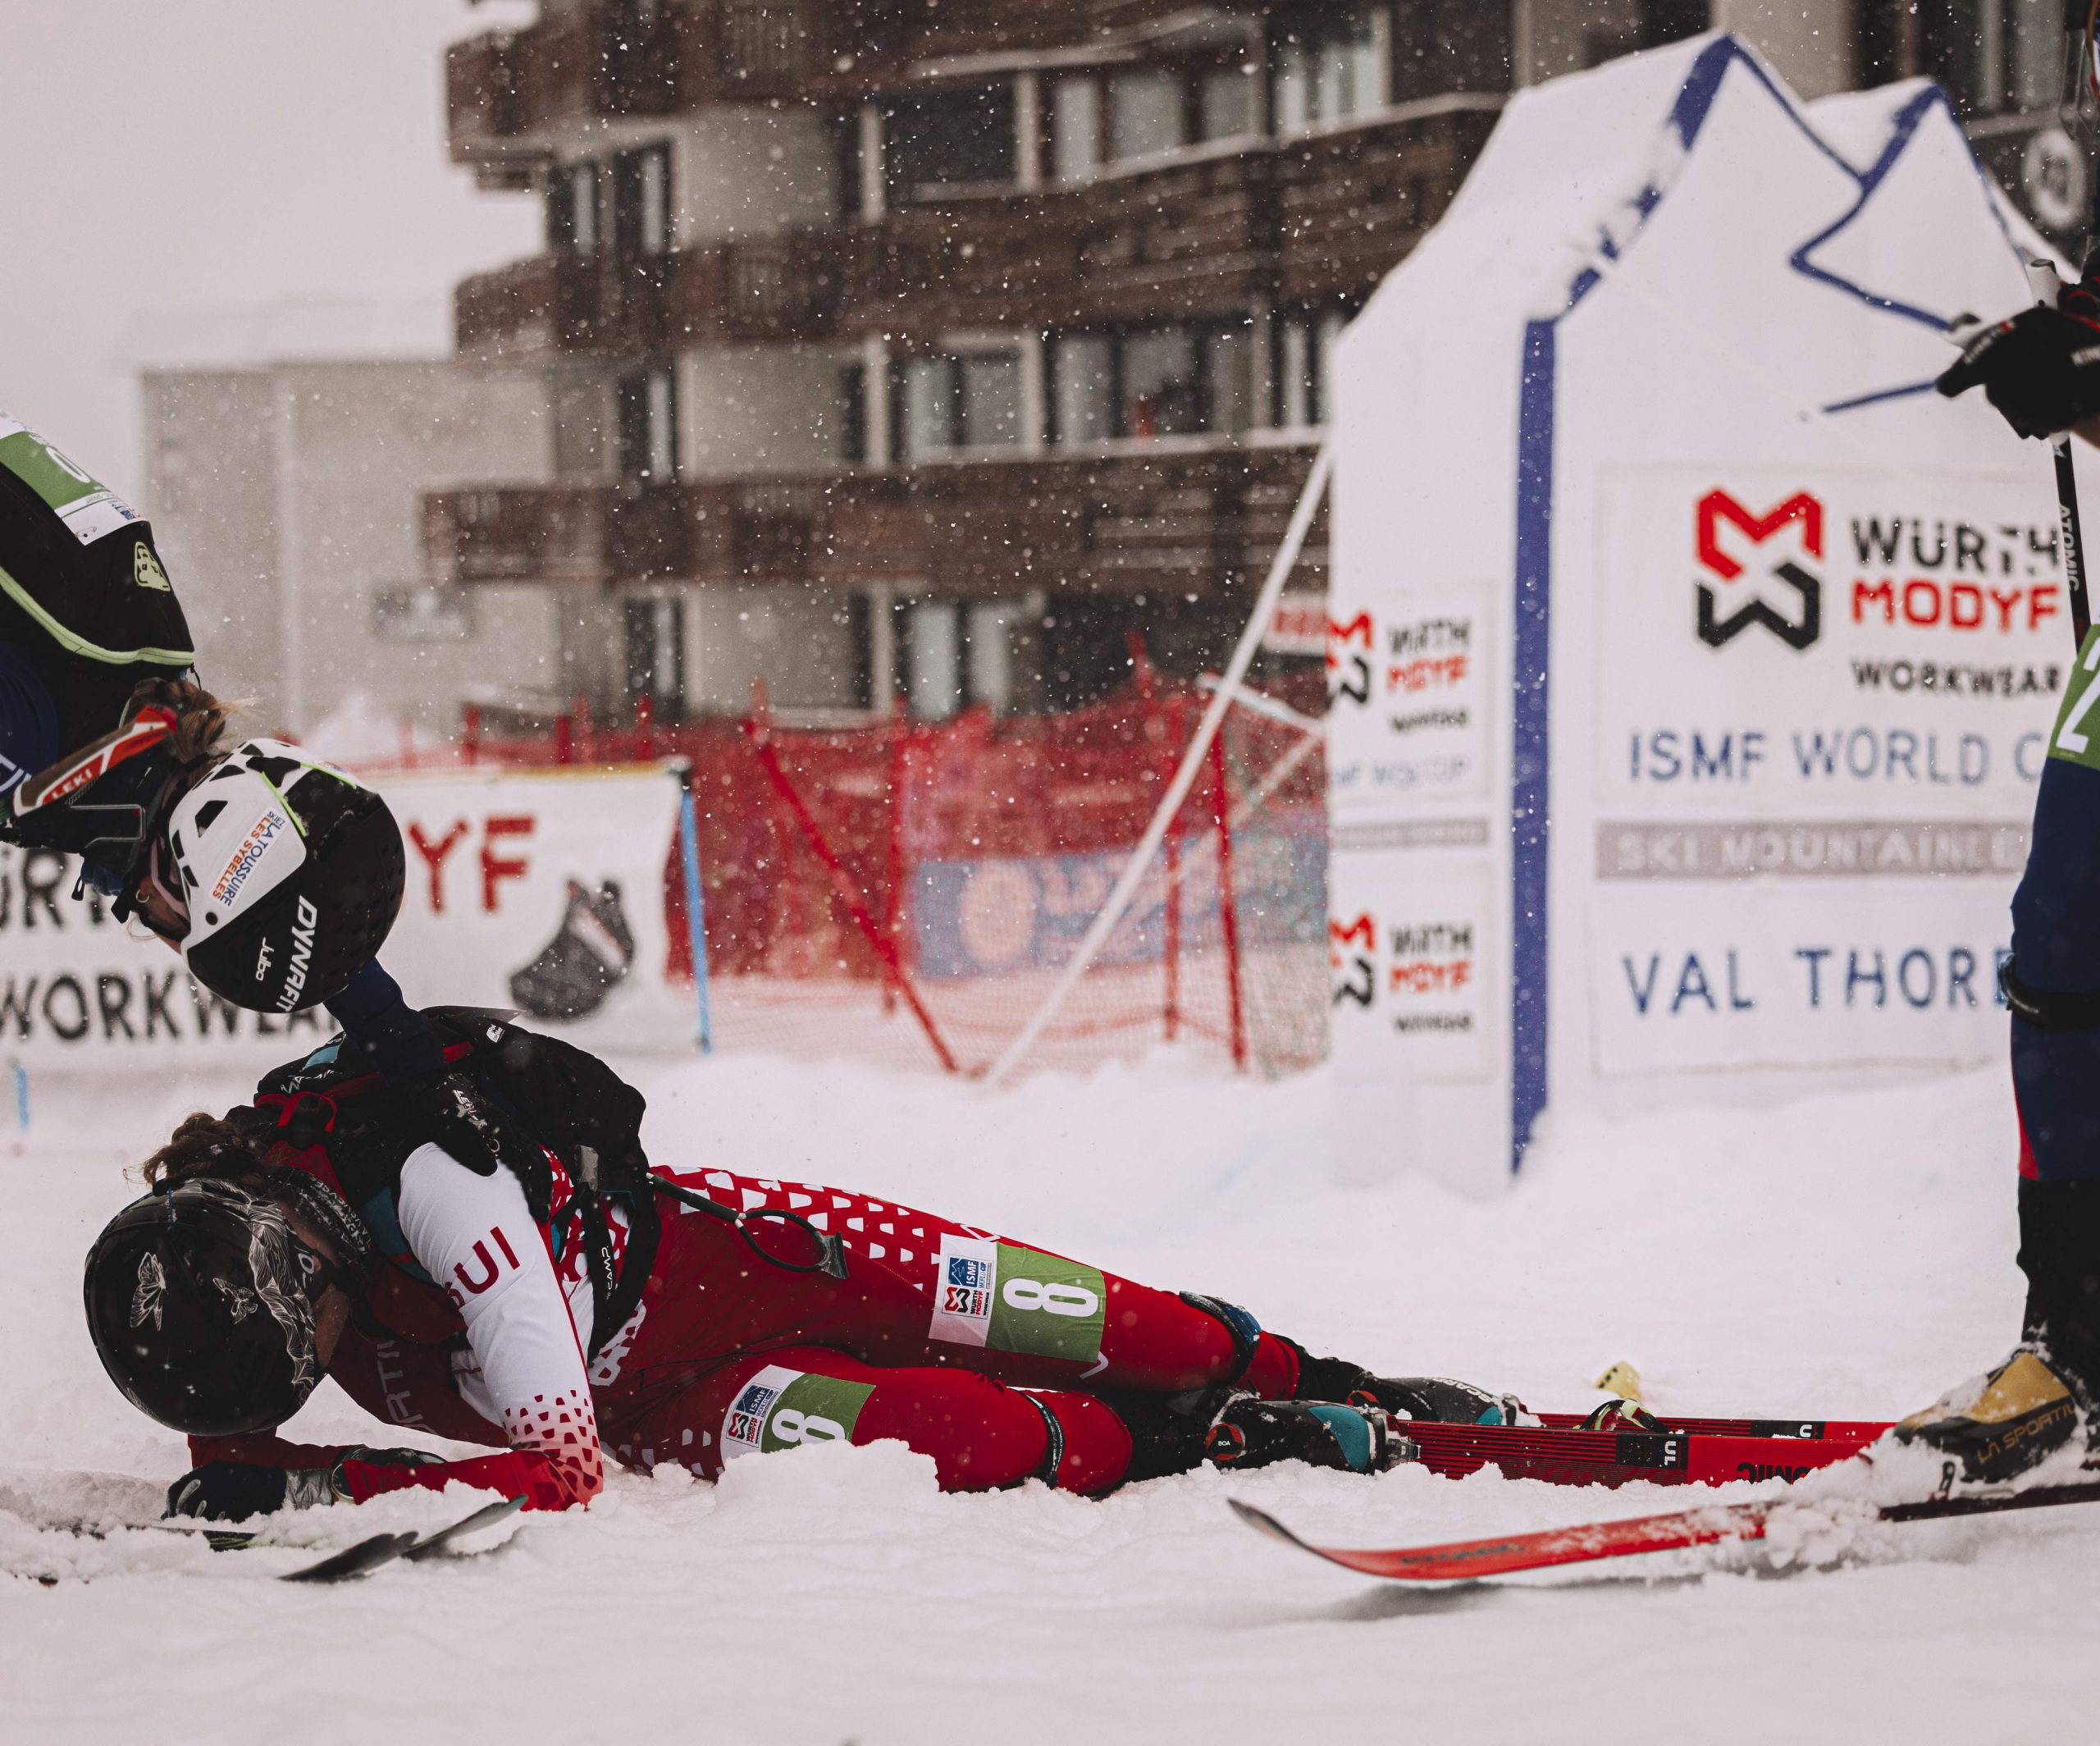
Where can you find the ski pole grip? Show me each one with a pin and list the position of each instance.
(2043, 284)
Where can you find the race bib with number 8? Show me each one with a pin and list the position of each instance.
(1008, 1299)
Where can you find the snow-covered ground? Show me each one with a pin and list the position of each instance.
(1845, 1258)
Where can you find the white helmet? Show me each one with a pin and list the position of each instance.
(290, 873)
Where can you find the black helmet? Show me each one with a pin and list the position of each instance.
(291, 873)
(199, 1302)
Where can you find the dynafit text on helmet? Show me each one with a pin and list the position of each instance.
(584, 1311)
(277, 877)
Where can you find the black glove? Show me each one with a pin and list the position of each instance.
(479, 1130)
(2041, 369)
(233, 1491)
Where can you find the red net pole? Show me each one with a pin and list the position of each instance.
(842, 884)
(1228, 909)
(1170, 947)
(893, 863)
(1154, 725)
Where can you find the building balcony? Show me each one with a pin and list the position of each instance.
(785, 287)
(1190, 521)
(617, 58)
(605, 303)
(505, 90)
(566, 535)
(1195, 520)
(1321, 216)
(564, 305)
(597, 535)
(1299, 220)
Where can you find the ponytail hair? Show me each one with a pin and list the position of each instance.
(201, 719)
(235, 1147)
(209, 1146)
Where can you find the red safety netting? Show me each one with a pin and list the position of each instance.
(909, 892)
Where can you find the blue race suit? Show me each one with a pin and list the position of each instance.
(2056, 942)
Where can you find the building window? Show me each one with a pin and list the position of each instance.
(572, 207)
(648, 421)
(933, 659)
(1162, 385)
(853, 414)
(1331, 67)
(656, 640)
(1075, 123)
(991, 400)
(1229, 380)
(1190, 379)
(1084, 395)
(423, 615)
(941, 144)
(1148, 112)
(1452, 45)
(1227, 102)
(958, 655)
(763, 39)
(961, 401)
(1991, 55)
(642, 201)
(1646, 24)
(988, 654)
(2034, 54)
(1156, 110)
(583, 425)
(1305, 345)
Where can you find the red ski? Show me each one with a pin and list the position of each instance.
(1473, 1561)
(1854, 1431)
(1698, 1451)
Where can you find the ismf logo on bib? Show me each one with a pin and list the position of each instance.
(782, 1409)
(1008, 1299)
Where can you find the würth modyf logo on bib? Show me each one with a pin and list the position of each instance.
(1778, 591)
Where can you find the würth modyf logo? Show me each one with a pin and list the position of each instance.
(1802, 623)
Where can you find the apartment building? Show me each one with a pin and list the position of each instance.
(285, 495)
(934, 347)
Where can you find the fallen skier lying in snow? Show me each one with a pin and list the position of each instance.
(594, 1305)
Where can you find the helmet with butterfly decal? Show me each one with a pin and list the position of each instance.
(286, 873)
(200, 1300)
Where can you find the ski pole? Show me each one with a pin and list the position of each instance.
(2048, 288)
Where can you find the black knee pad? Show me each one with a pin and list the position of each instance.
(1240, 1323)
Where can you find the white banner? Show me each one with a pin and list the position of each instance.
(541, 892)
(1411, 921)
(1663, 580)
(1412, 685)
(1831, 687)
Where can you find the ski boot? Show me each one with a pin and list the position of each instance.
(2000, 1424)
(1251, 1432)
(2042, 1397)
(1438, 1399)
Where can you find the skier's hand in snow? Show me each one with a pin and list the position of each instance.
(480, 1130)
(2040, 368)
(233, 1491)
